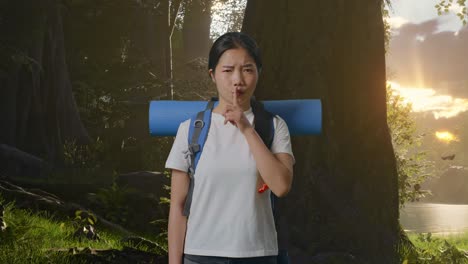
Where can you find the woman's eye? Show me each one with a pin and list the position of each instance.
(248, 70)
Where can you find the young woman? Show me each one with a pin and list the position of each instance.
(230, 220)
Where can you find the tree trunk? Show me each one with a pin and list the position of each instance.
(196, 29)
(345, 194)
(38, 108)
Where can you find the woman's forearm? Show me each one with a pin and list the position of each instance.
(176, 234)
(273, 172)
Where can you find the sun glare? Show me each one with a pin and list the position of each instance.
(396, 22)
(427, 100)
(445, 136)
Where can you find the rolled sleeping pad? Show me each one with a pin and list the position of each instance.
(303, 116)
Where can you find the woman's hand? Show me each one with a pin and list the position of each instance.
(235, 114)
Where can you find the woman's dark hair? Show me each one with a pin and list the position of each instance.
(234, 40)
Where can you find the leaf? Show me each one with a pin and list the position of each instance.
(93, 217)
(164, 200)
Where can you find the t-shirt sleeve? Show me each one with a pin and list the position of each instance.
(177, 158)
(281, 139)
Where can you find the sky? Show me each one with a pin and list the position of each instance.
(427, 61)
(418, 11)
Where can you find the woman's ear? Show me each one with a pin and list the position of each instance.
(211, 73)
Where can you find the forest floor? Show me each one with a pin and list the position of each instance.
(40, 238)
(31, 237)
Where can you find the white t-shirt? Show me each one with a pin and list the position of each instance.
(228, 217)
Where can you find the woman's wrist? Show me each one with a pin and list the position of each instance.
(247, 129)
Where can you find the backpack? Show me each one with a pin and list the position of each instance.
(198, 133)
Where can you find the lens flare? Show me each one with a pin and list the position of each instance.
(446, 136)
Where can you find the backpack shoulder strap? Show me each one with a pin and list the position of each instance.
(264, 125)
(263, 121)
(198, 132)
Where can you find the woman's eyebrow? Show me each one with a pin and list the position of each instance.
(248, 65)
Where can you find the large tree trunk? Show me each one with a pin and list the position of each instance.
(344, 196)
(36, 101)
(196, 29)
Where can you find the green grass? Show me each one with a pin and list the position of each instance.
(29, 238)
(438, 249)
(458, 240)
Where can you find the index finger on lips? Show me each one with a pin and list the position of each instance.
(234, 97)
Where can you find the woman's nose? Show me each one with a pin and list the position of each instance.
(238, 79)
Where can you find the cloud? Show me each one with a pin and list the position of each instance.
(396, 22)
(421, 56)
(428, 100)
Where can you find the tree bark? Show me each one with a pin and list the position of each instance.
(38, 108)
(345, 193)
(196, 29)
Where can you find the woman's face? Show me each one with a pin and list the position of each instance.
(235, 69)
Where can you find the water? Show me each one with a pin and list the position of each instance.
(435, 218)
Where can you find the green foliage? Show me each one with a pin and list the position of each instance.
(162, 199)
(386, 5)
(86, 164)
(114, 76)
(162, 237)
(405, 247)
(84, 223)
(113, 202)
(95, 161)
(83, 155)
(435, 250)
(412, 165)
(112, 72)
(443, 6)
(84, 218)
